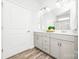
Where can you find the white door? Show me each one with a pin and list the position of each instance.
(55, 48)
(67, 50)
(15, 34)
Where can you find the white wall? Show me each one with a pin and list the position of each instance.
(16, 23)
(35, 22)
(73, 17)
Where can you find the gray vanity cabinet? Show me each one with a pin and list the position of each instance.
(41, 41)
(62, 49)
(60, 46)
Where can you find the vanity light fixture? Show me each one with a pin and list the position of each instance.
(44, 10)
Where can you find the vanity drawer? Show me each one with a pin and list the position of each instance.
(43, 34)
(62, 37)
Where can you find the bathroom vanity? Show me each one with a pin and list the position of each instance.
(58, 45)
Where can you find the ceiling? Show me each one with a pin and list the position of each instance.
(27, 4)
(35, 4)
(47, 3)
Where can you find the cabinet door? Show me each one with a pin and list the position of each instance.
(46, 44)
(67, 50)
(54, 48)
(39, 42)
(35, 40)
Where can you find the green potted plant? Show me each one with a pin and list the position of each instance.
(51, 29)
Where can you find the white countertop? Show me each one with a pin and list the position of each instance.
(64, 32)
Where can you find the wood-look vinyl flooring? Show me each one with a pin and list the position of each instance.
(31, 54)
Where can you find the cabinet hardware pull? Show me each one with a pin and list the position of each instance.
(60, 44)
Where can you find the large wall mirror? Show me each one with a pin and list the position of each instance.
(63, 21)
(63, 16)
